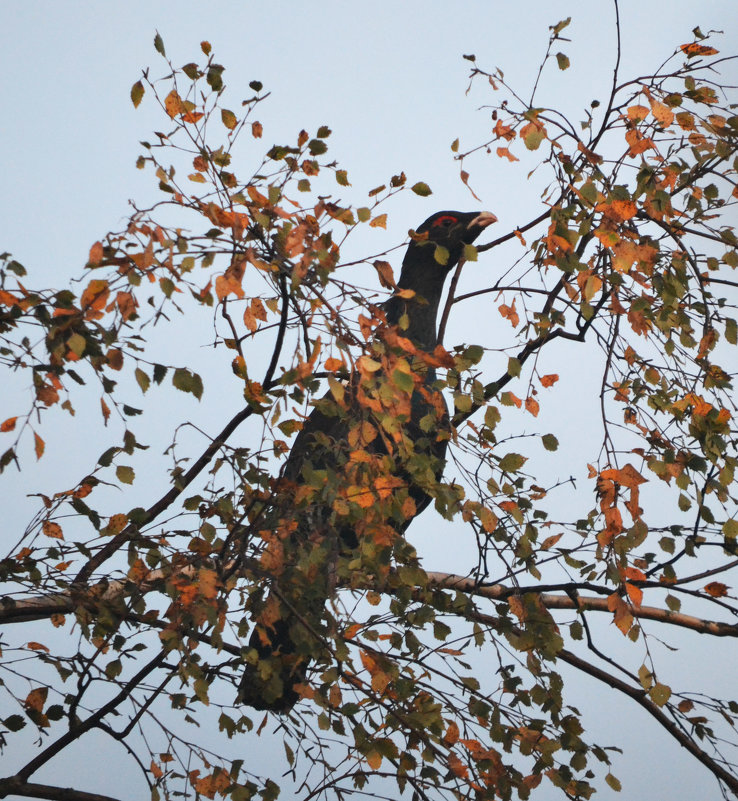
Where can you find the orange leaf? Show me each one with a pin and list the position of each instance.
(95, 298)
(716, 589)
(504, 152)
(8, 425)
(637, 112)
(380, 221)
(452, 734)
(192, 116)
(52, 530)
(332, 364)
(694, 49)
(105, 410)
(96, 254)
(549, 380)
(663, 114)
(509, 313)
(374, 760)
(623, 619)
(173, 104)
(37, 646)
(39, 445)
(634, 593)
(256, 130)
(352, 631)
(531, 405)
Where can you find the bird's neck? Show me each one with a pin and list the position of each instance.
(422, 275)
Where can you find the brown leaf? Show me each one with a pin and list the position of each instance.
(716, 589)
(52, 530)
(96, 254)
(36, 699)
(39, 445)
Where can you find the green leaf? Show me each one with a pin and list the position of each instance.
(142, 379)
(513, 367)
(613, 782)
(342, 178)
(159, 372)
(316, 147)
(363, 214)
(730, 529)
(470, 253)
(14, 722)
(125, 474)
(563, 61)
(159, 44)
(421, 189)
(192, 71)
(77, 343)
(550, 443)
(731, 331)
(559, 26)
(660, 694)
(323, 132)
(187, 381)
(215, 77)
(229, 119)
(512, 462)
(441, 255)
(257, 86)
(137, 93)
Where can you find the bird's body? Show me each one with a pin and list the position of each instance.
(360, 469)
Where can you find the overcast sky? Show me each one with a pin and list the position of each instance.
(387, 77)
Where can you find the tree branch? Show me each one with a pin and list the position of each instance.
(30, 790)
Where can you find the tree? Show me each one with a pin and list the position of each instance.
(627, 262)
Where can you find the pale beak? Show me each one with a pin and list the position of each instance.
(482, 220)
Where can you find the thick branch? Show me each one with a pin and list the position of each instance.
(498, 592)
(30, 790)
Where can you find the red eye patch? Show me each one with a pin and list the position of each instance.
(446, 218)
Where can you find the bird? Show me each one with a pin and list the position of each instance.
(401, 440)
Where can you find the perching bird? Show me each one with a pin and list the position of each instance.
(402, 444)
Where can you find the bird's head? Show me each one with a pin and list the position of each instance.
(438, 244)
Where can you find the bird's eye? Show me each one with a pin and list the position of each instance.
(445, 221)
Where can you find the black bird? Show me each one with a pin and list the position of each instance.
(289, 627)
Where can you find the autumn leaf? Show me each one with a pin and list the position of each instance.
(8, 425)
(509, 313)
(716, 589)
(52, 530)
(36, 699)
(504, 152)
(173, 104)
(96, 254)
(694, 49)
(532, 406)
(39, 445)
(549, 380)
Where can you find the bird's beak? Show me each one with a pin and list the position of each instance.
(482, 220)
